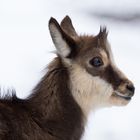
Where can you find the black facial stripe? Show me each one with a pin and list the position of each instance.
(112, 76)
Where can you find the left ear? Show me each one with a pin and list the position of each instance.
(65, 45)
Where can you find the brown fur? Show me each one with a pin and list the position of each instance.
(50, 113)
(58, 107)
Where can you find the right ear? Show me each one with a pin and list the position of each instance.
(64, 44)
(67, 26)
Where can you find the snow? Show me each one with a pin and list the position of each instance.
(25, 50)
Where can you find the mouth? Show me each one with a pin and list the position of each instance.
(122, 96)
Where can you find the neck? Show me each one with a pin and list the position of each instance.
(52, 99)
(86, 89)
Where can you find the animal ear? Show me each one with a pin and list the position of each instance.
(64, 44)
(67, 26)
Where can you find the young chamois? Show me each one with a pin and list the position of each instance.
(82, 77)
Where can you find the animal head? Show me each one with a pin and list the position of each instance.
(95, 80)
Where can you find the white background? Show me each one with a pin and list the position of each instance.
(25, 50)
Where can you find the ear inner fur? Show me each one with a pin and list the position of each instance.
(62, 41)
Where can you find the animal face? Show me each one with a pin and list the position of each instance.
(95, 79)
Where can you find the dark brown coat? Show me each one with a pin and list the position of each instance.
(50, 113)
(82, 77)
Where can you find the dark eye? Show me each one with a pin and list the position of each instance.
(96, 62)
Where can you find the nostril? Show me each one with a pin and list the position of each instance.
(131, 88)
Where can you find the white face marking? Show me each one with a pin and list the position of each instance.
(104, 57)
(60, 44)
(110, 52)
(89, 92)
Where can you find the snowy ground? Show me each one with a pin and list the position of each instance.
(25, 50)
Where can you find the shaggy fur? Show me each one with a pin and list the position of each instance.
(50, 113)
(59, 105)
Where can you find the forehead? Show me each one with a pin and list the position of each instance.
(90, 45)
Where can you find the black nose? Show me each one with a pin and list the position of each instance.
(131, 88)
